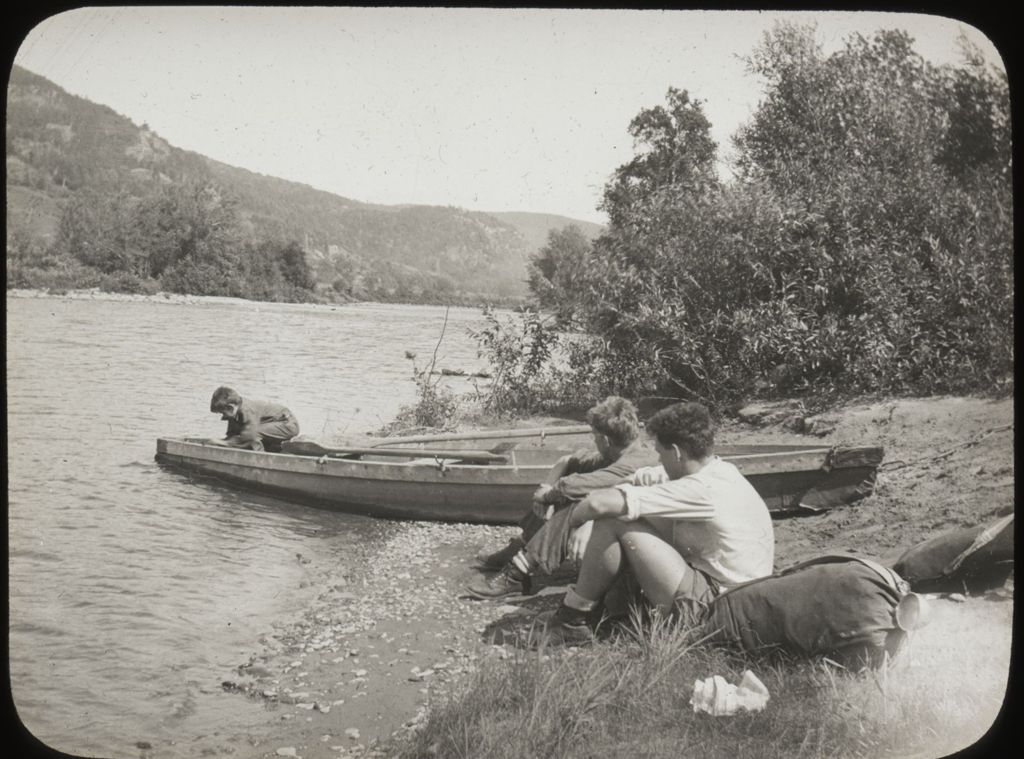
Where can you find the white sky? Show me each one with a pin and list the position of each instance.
(486, 109)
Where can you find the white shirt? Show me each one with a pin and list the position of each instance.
(718, 522)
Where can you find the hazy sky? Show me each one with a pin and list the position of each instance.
(494, 110)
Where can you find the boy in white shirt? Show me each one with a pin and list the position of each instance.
(687, 529)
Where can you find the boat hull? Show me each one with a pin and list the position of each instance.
(790, 479)
(425, 491)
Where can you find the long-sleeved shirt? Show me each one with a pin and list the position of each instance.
(592, 471)
(718, 522)
(252, 415)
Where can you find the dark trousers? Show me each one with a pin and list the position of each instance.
(547, 541)
(272, 434)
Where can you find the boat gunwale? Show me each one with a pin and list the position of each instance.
(194, 454)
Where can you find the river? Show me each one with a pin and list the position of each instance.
(134, 590)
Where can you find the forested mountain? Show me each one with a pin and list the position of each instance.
(76, 170)
(536, 227)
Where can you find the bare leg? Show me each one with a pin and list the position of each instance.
(657, 565)
(602, 561)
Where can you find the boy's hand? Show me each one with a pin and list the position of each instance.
(540, 508)
(578, 541)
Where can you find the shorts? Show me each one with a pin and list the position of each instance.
(694, 595)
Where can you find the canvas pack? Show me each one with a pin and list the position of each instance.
(850, 609)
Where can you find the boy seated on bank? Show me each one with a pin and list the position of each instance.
(252, 424)
(687, 530)
(543, 544)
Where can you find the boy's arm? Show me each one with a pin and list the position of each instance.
(599, 475)
(243, 431)
(601, 504)
(557, 471)
(673, 499)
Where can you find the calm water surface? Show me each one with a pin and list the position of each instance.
(134, 591)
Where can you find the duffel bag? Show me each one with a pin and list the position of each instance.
(964, 559)
(850, 609)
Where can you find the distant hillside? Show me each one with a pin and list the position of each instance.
(534, 227)
(61, 147)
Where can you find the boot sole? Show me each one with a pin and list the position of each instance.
(543, 639)
(495, 596)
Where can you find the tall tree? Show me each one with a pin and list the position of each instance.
(558, 268)
(659, 205)
(194, 238)
(294, 267)
(100, 230)
(675, 156)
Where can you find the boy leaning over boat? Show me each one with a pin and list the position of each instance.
(252, 424)
(687, 530)
(545, 542)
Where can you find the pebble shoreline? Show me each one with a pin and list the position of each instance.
(376, 645)
(160, 297)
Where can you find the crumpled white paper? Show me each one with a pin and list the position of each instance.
(720, 698)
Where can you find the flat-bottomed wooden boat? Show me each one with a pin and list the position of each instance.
(489, 476)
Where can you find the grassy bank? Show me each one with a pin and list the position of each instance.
(631, 698)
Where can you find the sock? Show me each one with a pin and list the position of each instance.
(523, 563)
(515, 572)
(511, 570)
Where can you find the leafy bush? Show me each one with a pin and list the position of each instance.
(58, 275)
(864, 246)
(557, 267)
(127, 282)
(197, 277)
(436, 406)
(519, 348)
(436, 409)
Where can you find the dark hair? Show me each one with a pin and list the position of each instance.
(687, 425)
(615, 418)
(223, 396)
